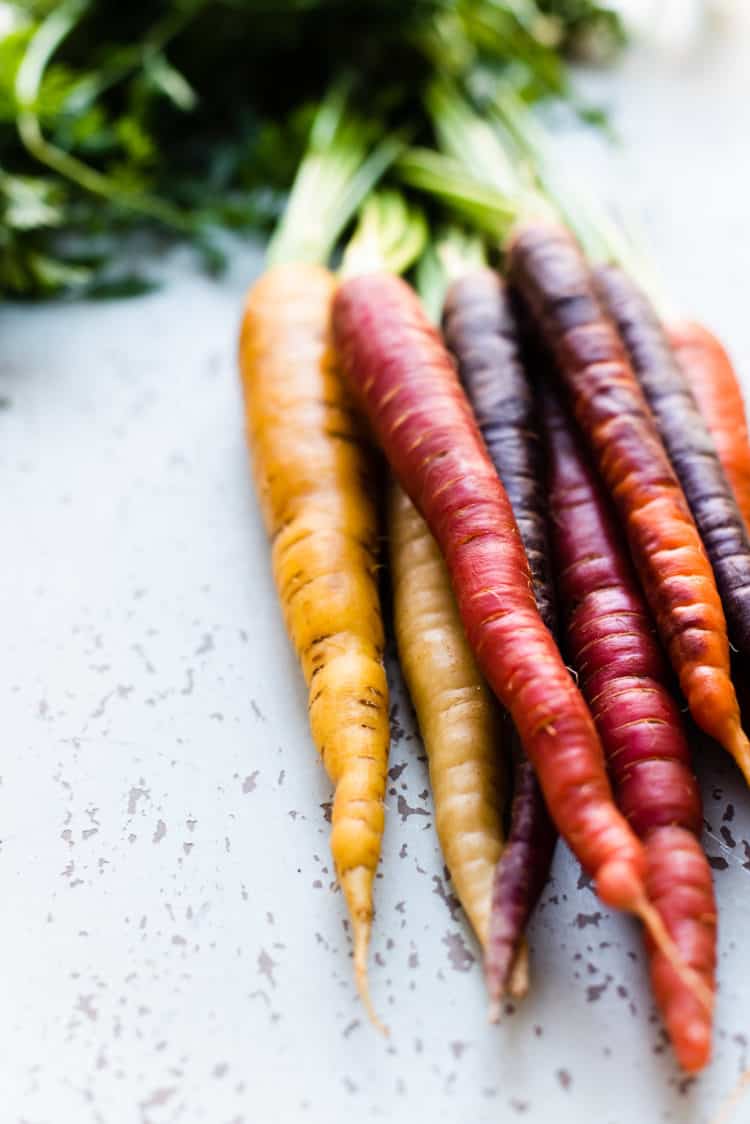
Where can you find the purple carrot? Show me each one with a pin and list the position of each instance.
(481, 331)
(688, 442)
(612, 644)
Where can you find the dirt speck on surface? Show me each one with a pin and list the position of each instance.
(451, 901)
(250, 782)
(461, 958)
(266, 966)
(138, 792)
(596, 991)
(583, 920)
(405, 809)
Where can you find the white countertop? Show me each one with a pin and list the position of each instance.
(171, 946)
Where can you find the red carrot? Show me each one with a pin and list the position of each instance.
(688, 442)
(549, 271)
(408, 386)
(708, 369)
(481, 332)
(622, 674)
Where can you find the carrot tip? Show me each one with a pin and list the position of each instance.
(693, 1045)
(619, 885)
(657, 930)
(739, 747)
(518, 982)
(361, 941)
(493, 1015)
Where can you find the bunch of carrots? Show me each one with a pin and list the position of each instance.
(567, 507)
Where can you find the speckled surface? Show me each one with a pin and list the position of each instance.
(173, 949)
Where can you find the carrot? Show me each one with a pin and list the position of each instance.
(622, 674)
(314, 481)
(459, 719)
(708, 369)
(408, 387)
(481, 332)
(550, 273)
(689, 444)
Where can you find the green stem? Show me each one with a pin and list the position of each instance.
(601, 238)
(484, 206)
(451, 255)
(40, 50)
(390, 236)
(338, 172)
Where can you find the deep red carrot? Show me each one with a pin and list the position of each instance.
(548, 269)
(409, 389)
(712, 378)
(688, 442)
(612, 644)
(481, 332)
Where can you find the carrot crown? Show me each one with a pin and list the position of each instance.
(602, 238)
(346, 157)
(390, 235)
(452, 253)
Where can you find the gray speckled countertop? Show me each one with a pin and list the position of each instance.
(173, 949)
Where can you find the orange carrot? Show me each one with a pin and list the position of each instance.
(712, 378)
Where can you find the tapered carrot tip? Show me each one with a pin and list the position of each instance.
(618, 884)
(657, 930)
(739, 747)
(693, 1046)
(362, 927)
(518, 983)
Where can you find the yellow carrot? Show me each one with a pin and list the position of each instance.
(313, 477)
(458, 717)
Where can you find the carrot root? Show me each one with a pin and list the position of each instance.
(739, 747)
(361, 930)
(408, 386)
(518, 982)
(657, 930)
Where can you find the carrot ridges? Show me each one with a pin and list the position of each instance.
(689, 444)
(480, 330)
(409, 388)
(622, 673)
(549, 272)
(313, 478)
(707, 367)
(459, 720)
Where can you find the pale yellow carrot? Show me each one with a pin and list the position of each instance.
(459, 719)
